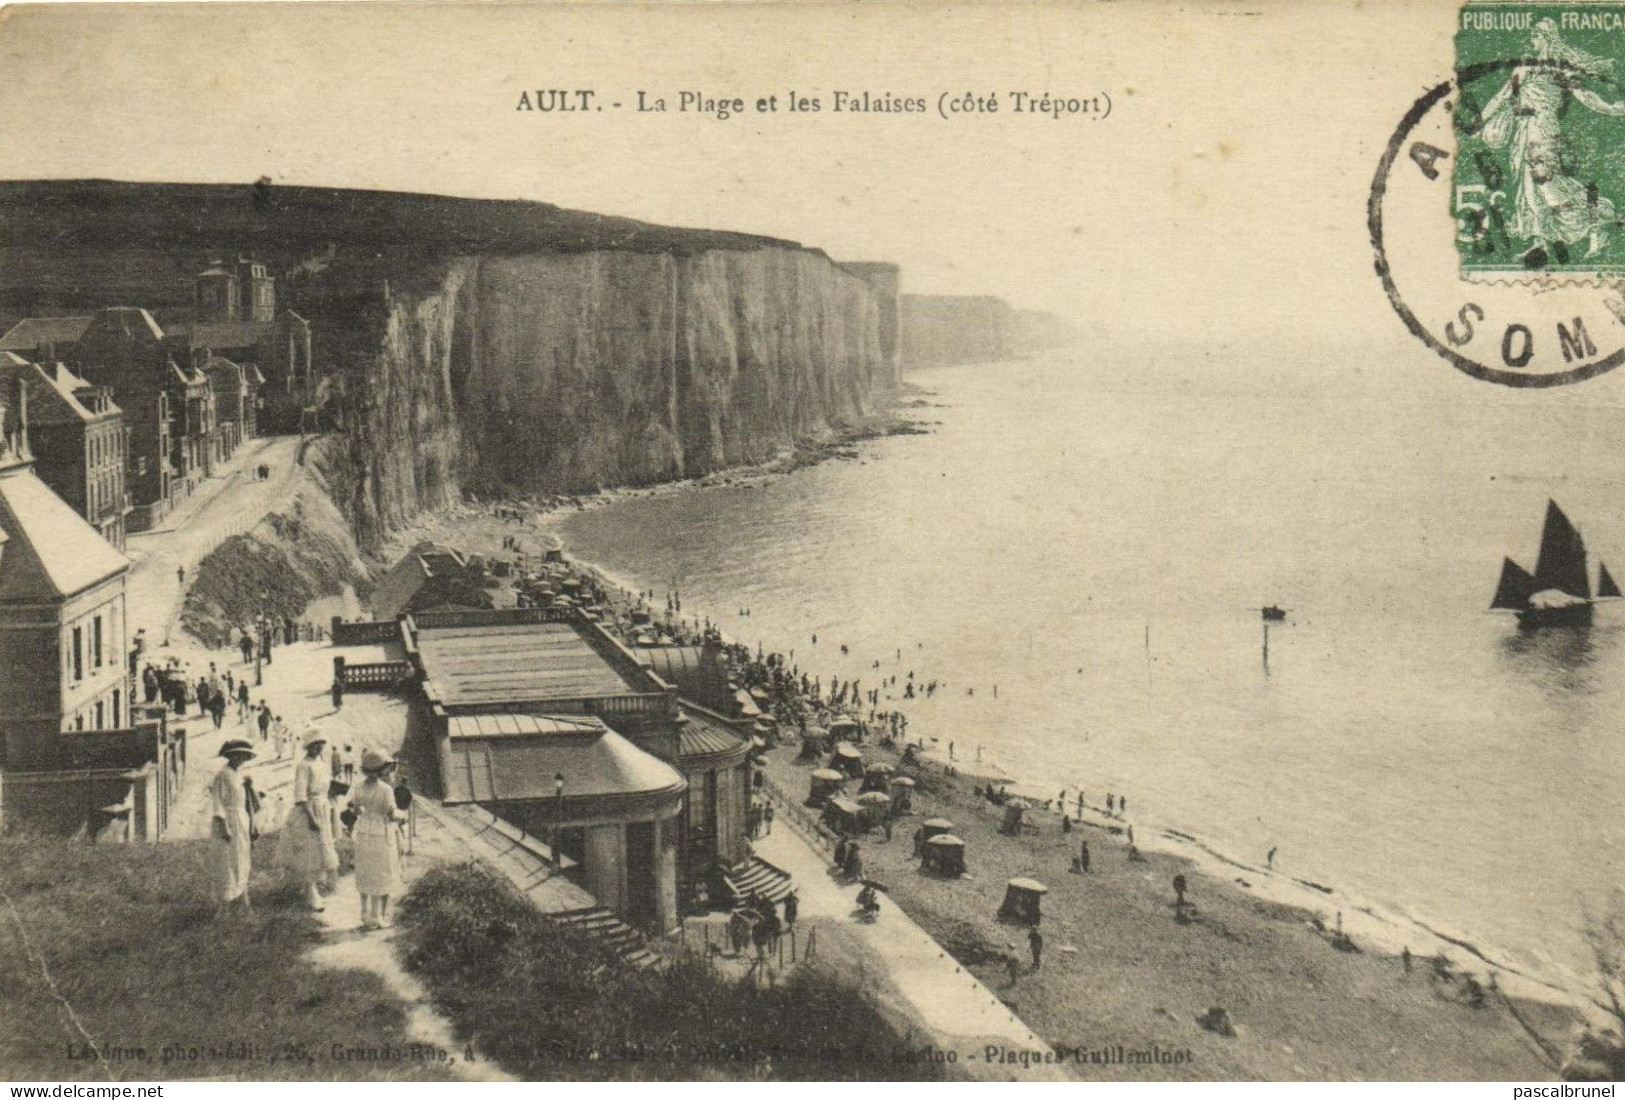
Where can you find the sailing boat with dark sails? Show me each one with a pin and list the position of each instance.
(1558, 592)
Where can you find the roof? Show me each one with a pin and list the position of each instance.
(57, 385)
(522, 663)
(52, 553)
(132, 320)
(703, 735)
(521, 725)
(507, 768)
(695, 672)
(399, 587)
(35, 332)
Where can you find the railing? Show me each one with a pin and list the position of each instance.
(801, 819)
(642, 703)
(507, 616)
(370, 633)
(385, 674)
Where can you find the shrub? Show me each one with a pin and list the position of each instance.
(549, 1002)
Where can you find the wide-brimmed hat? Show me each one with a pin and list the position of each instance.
(374, 761)
(312, 737)
(242, 747)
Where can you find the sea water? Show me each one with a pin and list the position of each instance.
(1081, 564)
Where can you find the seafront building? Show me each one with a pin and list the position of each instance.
(544, 718)
(77, 755)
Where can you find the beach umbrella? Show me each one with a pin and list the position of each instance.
(846, 750)
(879, 768)
(1031, 885)
(874, 798)
(828, 775)
(902, 781)
(946, 840)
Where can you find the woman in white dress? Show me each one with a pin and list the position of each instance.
(308, 832)
(377, 840)
(231, 828)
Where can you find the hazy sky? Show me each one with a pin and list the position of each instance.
(1222, 201)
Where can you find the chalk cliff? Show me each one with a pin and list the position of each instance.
(545, 373)
(943, 329)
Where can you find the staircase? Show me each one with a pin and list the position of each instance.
(756, 875)
(605, 928)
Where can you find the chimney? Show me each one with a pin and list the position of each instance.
(19, 391)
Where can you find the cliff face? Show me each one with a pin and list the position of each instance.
(551, 372)
(940, 330)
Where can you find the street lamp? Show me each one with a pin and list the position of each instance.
(558, 828)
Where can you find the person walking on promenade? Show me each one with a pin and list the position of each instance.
(1035, 944)
(217, 707)
(792, 904)
(1083, 857)
(311, 853)
(265, 720)
(231, 828)
(242, 700)
(338, 693)
(246, 645)
(377, 840)
(180, 575)
(767, 819)
(1269, 860)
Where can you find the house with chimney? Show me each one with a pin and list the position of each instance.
(79, 441)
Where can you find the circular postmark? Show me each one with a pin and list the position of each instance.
(1469, 258)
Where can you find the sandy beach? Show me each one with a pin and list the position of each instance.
(1120, 971)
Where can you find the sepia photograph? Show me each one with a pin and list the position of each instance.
(812, 541)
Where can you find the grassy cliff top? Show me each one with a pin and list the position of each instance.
(110, 215)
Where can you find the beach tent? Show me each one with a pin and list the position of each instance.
(1013, 812)
(824, 783)
(875, 807)
(1021, 898)
(944, 854)
(844, 816)
(847, 759)
(936, 825)
(846, 729)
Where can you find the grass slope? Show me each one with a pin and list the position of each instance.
(128, 938)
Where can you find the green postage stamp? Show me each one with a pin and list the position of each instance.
(1540, 128)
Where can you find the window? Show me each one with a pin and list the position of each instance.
(116, 701)
(96, 643)
(99, 715)
(78, 653)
